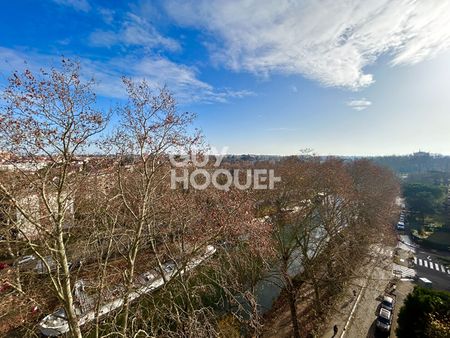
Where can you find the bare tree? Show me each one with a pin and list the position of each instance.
(320, 220)
(151, 127)
(48, 120)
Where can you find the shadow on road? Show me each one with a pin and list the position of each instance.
(374, 333)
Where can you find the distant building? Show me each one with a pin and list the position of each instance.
(38, 215)
(421, 154)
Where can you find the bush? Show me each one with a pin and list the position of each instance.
(425, 314)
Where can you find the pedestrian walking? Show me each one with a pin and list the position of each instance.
(335, 329)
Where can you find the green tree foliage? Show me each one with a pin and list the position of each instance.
(424, 199)
(425, 314)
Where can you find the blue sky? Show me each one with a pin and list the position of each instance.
(356, 77)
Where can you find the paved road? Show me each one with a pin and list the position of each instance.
(363, 322)
(427, 265)
(423, 264)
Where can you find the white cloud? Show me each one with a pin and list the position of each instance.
(79, 5)
(360, 104)
(107, 15)
(182, 80)
(329, 41)
(133, 31)
(158, 71)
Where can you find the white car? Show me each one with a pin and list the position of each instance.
(384, 320)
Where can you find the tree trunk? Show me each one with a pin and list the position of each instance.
(292, 300)
(129, 281)
(69, 306)
(317, 297)
(70, 312)
(66, 286)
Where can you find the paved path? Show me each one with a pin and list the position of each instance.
(359, 320)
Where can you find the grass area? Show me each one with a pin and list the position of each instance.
(421, 234)
(440, 237)
(432, 222)
(433, 225)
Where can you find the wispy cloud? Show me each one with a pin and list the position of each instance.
(107, 15)
(360, 104)
(182, 80)
(328, 41)
(132, 31)
(79, 5)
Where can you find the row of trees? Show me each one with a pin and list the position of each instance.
(325, 216)
(417, 163)
(106, 219)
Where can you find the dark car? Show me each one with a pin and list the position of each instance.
(388, 303)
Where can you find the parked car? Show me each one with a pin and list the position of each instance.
(388, 303)
(169, 267)
(32, 263)
(400, 226)
(25, 260)
(384, 320)
(425, 282)
(40, 267)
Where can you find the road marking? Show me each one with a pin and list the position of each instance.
(356, 303)
(420, 262)
(431, 266)
(442, 268)
(448, 271)
(415, 260)
(436, 265)
(425, 263)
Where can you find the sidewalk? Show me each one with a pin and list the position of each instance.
(355, 316)
(345, 308)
